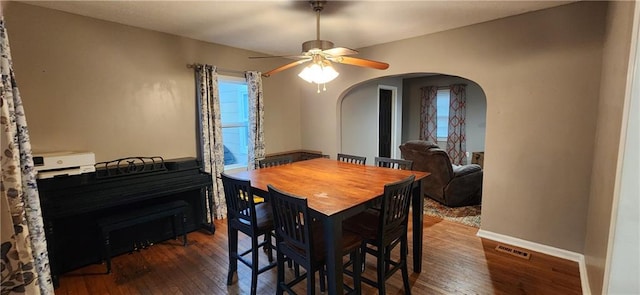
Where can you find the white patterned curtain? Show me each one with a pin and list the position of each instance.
(457, 139)
(211, 150)
(428, 114)
(256, 118)
(25, 260)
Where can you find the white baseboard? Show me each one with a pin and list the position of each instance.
(544, 249)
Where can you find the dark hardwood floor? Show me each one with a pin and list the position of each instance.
(455, 261)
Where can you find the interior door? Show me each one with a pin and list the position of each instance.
(384, 123)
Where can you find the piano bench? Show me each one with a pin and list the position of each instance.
(108, 224)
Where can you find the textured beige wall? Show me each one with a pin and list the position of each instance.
(613, 84)
(122, 91)
(541, 73)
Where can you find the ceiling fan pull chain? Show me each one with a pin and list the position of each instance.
(318, 88)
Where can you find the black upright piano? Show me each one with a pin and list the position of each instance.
(71, 206)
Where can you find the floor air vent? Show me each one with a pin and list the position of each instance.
(515, 252)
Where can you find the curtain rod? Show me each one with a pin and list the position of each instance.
(195, 65)
(445, 87)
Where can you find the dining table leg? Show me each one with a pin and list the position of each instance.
(417, 209)
(333, 243)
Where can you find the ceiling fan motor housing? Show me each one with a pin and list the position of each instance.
(316, 44)
(317, 5)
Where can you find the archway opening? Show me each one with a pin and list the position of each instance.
(361, 111)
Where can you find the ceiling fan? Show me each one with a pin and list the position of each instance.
(321, 53)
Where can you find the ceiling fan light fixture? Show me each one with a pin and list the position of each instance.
(319, 73)
(321, 53)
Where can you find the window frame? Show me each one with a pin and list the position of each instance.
(243, 105)
(438, 115)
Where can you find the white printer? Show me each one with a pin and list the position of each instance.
(63, 163)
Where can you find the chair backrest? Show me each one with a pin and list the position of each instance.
(352, 159)
(239, 197)
(394, 163)
(275, 161)
(395, 209)
(293, 224)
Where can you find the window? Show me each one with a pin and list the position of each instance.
(234, 114)
(442, 107)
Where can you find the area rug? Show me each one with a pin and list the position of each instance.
(468, 215)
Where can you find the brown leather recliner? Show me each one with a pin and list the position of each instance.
(453, 186)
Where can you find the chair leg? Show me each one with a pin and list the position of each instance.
(387, 259)
(294, 265)
(280, 257)
(254, 265)
(311, 282)
(233, 253)
(404, 249)
(269, 247)
(363, 250)
(381, 270)
(323, 283)
(266, 238)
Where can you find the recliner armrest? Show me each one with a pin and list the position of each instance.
(465, 169)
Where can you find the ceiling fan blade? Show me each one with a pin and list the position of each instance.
(338, 51)
(284, 67)
(280, 56)
(361, 62)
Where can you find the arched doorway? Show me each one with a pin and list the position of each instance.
(360, 113)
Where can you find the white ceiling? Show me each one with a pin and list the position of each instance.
(279, 27)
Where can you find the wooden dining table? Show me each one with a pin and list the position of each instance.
(335, 191)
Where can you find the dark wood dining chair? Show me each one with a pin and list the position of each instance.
(394, 163)
(300, 239)
(384, 230)
(274, 161)
(352, 159)
(271, 162)
(254, 220)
